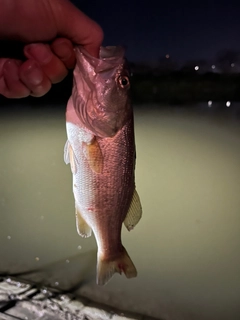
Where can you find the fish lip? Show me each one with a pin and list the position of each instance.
(107, 53)
(109, 57)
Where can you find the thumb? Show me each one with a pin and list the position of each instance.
(76, 26)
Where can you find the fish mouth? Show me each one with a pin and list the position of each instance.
(111, 52)
(109, 57)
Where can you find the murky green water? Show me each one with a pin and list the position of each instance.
(186, 247)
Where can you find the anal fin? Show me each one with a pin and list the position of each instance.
(83, 228)
(134, 212)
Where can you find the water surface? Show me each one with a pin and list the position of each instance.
(186, 247)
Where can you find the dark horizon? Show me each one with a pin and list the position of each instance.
(182, 29)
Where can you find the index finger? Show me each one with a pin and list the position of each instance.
(76, 26)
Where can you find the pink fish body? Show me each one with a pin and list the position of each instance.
(101, 152)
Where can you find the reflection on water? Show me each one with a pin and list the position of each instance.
(186, 247)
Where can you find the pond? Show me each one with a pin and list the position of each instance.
(186, 246)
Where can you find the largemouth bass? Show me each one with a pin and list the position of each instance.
(101, 152)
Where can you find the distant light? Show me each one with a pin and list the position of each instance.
(196, 68)
(228, 103)
(44, 291)
(167, 56)
(232, 65)
(213, 66)
(210, 103)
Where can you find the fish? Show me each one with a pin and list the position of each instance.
(101, 151)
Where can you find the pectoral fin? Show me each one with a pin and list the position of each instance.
(83, 228)
(72, 159)
(66, 153)
(94, 156)
(134, 212)
(69, 157)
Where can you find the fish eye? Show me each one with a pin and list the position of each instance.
(123, 81)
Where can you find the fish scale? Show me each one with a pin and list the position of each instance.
(101, 151)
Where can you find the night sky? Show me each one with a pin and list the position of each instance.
(151, 29)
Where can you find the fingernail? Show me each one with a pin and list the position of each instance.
(34, 74)
(40, 52)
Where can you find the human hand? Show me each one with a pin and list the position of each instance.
(49, 28)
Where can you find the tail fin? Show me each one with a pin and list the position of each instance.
(106, 268)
